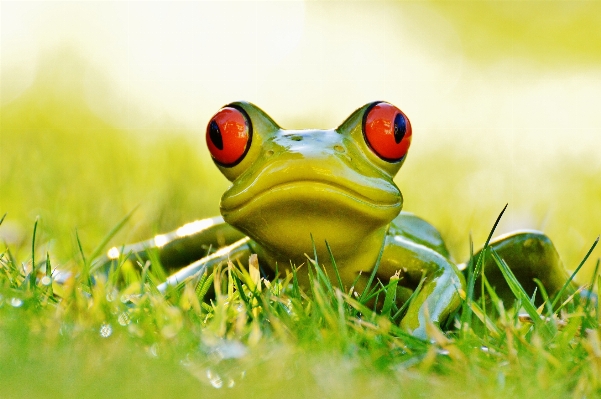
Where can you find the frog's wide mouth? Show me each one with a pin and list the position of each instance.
(299, 195)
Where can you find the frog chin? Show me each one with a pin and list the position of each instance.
(288, 219)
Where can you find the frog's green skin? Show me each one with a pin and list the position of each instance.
(295, 188)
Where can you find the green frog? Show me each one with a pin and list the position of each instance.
(331, 192)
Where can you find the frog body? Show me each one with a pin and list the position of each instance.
(303, 192)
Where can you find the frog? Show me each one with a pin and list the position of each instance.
(330, 195)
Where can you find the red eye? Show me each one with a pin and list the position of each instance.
(229, 135)
(387, 131)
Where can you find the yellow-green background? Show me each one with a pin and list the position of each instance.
(104, 105)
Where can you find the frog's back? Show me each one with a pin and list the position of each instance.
(419, 231)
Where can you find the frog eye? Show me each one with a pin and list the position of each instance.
(229, 135)
(387, 131)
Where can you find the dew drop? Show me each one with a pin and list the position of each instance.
(153, 350)
(111, 295)
(124, 319)
(214, 379)
(46, 281)
(16, 302)
(106, 330)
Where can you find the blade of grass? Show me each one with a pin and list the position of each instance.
(411, 297)
(111, 234)
(33, 268)
(473, 273)
(157, 269)
(85, 272)
(390, 297)
(369, 314)
(49, 275)
(367, 288)
(519, 293)
(481, 314)
(567, 283)
(466, 313)
(3, 216)
(545, 295)
(590, 290)
(203, 285)
(335, 267)
(295, 287)
(240, 290)
(144, 276)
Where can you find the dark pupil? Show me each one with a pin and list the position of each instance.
(400, 127)
(215, 135)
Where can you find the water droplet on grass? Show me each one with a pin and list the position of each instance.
(153, 350)
(124, 319)
(16, 302)
(214, 379)
(112, 295)
(106, 330)
(46, 281)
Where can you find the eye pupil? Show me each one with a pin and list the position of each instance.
(215, 135)
(400, 127)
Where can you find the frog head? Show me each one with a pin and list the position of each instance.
(292, 190)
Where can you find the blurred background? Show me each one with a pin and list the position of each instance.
(104, 107)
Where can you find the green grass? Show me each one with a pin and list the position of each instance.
(68, 178)
(273, 337)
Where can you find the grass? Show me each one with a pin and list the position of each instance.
(273, 337)
(68, 178)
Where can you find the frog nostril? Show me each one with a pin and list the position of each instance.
(339, 148)
(269, 153)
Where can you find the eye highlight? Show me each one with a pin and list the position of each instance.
(387, 131)
(229, 135)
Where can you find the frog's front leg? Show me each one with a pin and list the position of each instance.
(439, 294)
(189, 243)
(529, 254)
(240, 250)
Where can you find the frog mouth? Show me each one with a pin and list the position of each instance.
(299, 195)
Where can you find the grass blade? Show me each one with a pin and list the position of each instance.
(203, 285)
(474, 270)
(367, 288)
(591, 285)
(335, 267)
(112, 233)
(85, 273)
(519, 292)
(390, 298)
(567, 283)
(413, 295)
(33, 268)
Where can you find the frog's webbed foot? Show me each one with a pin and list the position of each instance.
(529, 254)
(189, 243)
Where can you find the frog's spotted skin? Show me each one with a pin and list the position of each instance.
(293, 190)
